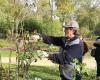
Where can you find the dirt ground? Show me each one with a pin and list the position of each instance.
(90, 62)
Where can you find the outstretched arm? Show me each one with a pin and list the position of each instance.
(53, 40)
(56, 58)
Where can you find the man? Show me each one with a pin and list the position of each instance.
(71, 48)
(97, 56)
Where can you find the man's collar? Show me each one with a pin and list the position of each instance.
(73, 38)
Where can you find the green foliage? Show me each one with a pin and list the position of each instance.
(27, 52)
(45, 73)
(31, 24)
(65, 9)
(5, 42)
(85, 32)
(88, 15)
(13, 13)
(57, 29)
(97, 29)
(52, 28)
(65, 6)
(6, 53)
(49, 72)
(44, 7)
(83, 70)
(48, 27)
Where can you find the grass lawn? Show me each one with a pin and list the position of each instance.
(46, 73)
(36, 71)
(5, 42)
(7, 53)
(41, 70)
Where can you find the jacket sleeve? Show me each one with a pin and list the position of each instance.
(53, 40)
(56, 58)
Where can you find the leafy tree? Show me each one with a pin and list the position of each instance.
(85, 32)
(67, 8)
(30, 24)
(97, 29)
(44, 15)
(88, 15)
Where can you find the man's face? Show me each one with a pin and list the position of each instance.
(69, 31)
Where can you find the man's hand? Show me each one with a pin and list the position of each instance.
(43, 53)
(40, 37)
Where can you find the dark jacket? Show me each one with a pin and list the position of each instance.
(70, 49)
(97, 51)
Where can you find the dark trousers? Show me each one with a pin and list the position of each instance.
(62, 78)
(98, 67)
(78, 77)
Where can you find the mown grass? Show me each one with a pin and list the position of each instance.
(7, 53)
(44, 72)
(5, 42)
(47, 73)
(35, 71)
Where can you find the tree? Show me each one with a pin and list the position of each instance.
(88, 15)
(3, 16)
(65, 9)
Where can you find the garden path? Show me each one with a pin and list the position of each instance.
(90, 62)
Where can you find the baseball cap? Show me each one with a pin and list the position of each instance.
(74, 24)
